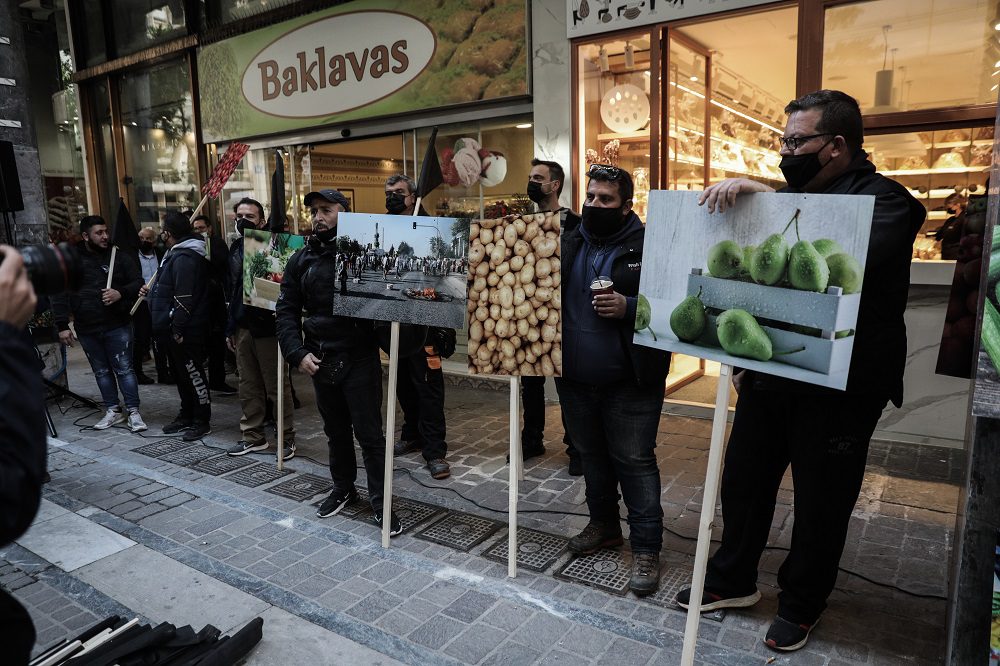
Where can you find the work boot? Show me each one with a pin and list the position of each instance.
(645, 573)
(596, 535)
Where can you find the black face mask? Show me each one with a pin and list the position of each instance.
(325, 236)
(242, 224)
(601, 222)
(395, 203)
(535, 191)
(146, 247)
(799, 170)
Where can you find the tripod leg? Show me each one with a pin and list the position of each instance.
(48, 419)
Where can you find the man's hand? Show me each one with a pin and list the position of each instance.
(738, 380)
(17, 296)
(723, 194)
(611, 306)
(143, 291)
(309, 365)
(67, 337)
(110, 296)
(178, 338)
(231, 343)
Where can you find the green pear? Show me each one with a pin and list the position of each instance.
(741, 335)
(845, 272)
(643, 315)
(768, 261)
(745, 268)
(688, 320)
(807, 269)
(725, 259)
(826, 247)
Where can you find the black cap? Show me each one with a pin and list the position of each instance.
(333, 196)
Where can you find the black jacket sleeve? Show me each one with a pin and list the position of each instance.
(127, 280)
(22, 434)
(60, 311)
(190, 285)
(289, 312)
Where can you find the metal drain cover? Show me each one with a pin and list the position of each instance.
(220, 465)
(535, 550)
(605, 570)
(411, 513)
(163, 447)
(460, 531)
(189, 456)
(257, 475)
(302, 487)
(672, 581)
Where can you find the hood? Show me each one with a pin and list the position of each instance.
(196, 244)
(631, 225)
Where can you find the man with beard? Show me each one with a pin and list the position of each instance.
(218, 257)
(611, 389)
(149, 262)
(341, 355)
(179, 304)
(102, 322)
(421, 380)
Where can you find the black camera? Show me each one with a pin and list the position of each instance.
(52, 269)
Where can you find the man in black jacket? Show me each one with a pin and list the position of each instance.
(822, 433)
(252, 336)
(179, 305)
(22, 438)
(341, 355)
(102, 322)
(611, 390)
(218, 287)
(421, 380)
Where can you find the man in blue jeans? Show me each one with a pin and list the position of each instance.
(611, 390)
(102, 322)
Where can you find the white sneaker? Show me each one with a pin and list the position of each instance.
(111, 417)
(135, 422)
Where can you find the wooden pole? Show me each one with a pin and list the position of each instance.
(515, 474)
(149, 285)
(111, 265)
(712, 476)
(280, 416)
(390, 431)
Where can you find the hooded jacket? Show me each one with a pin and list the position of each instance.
(879, 355)
(89, 314)
(305, 307)
(179, 301)
(648, 367)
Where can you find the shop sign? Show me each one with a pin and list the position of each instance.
(592, 17)
(361, 59)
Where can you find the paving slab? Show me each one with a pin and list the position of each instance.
(47, 511)
(70, 541)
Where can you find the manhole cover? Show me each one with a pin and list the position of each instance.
(257, 475)
(220, 465)
(672, 581)
(605, 570)
(189, 456)
(301, 487)
(412, 513)
(460, 531)
(163, 447)
(536, 550)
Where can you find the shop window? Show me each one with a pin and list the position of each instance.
(104, 147)
(159, 140)
(614, 122)
(899, 56)
(88, 31)
(139, 24)
(221, 12)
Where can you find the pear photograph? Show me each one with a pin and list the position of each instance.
(772, 284)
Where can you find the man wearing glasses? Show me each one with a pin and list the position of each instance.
(611, 390)
(823, 433)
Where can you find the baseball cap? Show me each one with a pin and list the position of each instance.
(333, 196)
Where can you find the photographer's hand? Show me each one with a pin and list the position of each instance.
(17, 296)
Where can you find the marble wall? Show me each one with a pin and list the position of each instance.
(550, 63)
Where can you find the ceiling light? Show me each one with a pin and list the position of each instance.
(694, 78)
(629, 56)
(523, 126)
(602, 58)
(997, 26)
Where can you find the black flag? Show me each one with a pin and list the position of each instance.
(277, 221)
(124, 236)
(430, 169)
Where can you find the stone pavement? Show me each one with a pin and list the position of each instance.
(144, 525)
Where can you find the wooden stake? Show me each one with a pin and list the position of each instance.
(390, 431)
(111, 265)
(516, 465)
(280, 416)
(708, 501)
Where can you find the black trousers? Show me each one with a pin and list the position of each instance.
(192, 382)
(533, 402)
(420, 390)
(17, 631)
(142, 323)
(217, 337)
(352, 407)
(824, 437)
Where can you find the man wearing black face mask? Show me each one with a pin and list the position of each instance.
(611, 390)
(149, 262)
(824, 434)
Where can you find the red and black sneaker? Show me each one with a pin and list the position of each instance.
(711, 601)
(787, 636)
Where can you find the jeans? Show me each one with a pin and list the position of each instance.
(192, 382)
(352, 407)
(825, 439)
(613, 429)
(110, 356)
(420, 391)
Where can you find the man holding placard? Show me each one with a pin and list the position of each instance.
(341, 355)
(821, 432)
(611, 390)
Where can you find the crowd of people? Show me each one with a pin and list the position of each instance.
(611, 390)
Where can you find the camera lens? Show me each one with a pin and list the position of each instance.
(52, 269)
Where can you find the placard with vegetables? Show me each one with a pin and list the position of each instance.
(264, 257)
(773, 284)
(986, 397)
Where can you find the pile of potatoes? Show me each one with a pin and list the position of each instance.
(514, 296)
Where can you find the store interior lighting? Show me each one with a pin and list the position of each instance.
(603, 62)
(629, 55)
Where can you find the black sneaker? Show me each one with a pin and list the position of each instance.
(529, 452)
(575, 467)
(395, 527)
(196, 432)
(244, 447)
(645, 573)
(337, 500)
(404, 446)
(289, 452)
(711, 601)
(787, 636)
(224, 389)
(176, 426)
(596, 535)
(144, 380)
(439, 468)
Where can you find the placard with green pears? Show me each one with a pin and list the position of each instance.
(772, 284)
